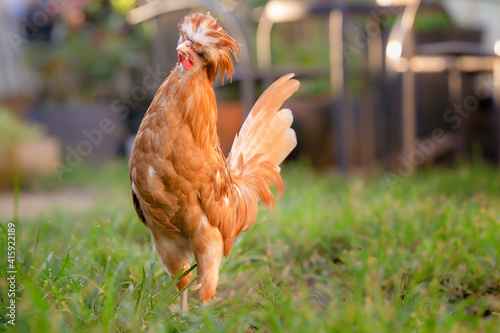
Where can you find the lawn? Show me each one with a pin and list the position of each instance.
(337, 255)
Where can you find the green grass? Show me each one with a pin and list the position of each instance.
(337, 255)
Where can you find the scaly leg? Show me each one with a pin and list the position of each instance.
(183, 303)
(208, 254)
(173, 256)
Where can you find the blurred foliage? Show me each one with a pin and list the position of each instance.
(425, 21)
(122, 6)
(91, 60)
(304, 44)
(432, 21)
(314, 87)
(257, 3)
(13, 130)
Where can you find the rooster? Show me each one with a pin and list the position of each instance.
(192, 199)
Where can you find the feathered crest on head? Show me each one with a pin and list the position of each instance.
(212, 41)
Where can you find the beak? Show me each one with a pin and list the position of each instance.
(184, 55)
(184, 47)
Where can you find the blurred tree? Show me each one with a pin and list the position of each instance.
(90, 52)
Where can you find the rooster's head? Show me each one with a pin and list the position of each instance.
(204, 45)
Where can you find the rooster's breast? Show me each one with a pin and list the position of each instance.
(167, 172)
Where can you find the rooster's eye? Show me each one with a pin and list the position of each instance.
(201, 55)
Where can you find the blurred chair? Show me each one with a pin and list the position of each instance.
(404, 56)
(353, 136)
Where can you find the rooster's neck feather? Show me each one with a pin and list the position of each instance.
(193, 98)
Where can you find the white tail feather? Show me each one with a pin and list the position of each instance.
(266, 131)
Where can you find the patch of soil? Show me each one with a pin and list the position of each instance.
(32, 203)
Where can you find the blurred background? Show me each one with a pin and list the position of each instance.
(386, 84)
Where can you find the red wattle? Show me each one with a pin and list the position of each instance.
(187, 64)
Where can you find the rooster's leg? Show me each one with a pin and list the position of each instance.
(208, 254)
(176, 263)
(183, 303)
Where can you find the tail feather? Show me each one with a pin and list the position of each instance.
(265, 140)
(252, 182)
(262, 126)
(284, 136)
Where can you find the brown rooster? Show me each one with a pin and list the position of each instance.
(192, 199)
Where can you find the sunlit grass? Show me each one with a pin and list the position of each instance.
(337, 255)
